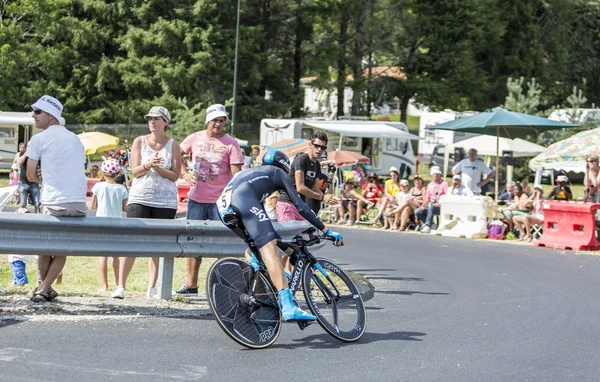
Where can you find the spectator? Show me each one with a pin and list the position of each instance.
(155, 164)
(360, 175)
(372, 192)
(592, 180)
(61, 156)
(305, 173)
(94, 172)
(519, 207)
(109, 199)
(349, 198)
(368, 153)
(217, 157)
(431, 202)
(405, 210)
(390, 188)
(507, 195)
(400, 199)
(561, 191)
(536, 217)
(28, 191)
(14, 175)
(270, 204)
(255, 155)
(247, 160)
(458, 188)
(471, 170)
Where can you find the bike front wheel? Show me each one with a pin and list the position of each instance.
(335, 301)
(250, 316)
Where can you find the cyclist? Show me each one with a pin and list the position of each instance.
(243, 197)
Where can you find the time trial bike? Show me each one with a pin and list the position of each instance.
(244, 301)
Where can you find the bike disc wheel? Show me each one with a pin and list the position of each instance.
(335, 301)
(227, 280)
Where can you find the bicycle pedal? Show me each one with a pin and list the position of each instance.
(303, 324)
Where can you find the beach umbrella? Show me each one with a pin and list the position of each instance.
(569, 154)
(502, 123)
(345, 157)
(95, 141)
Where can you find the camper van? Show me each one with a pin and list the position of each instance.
(390, 142)
(14, 128)
(432, 138)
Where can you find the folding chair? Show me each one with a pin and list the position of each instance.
(537, 231)
(6, 194)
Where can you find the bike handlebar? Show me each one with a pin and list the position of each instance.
(300, 241)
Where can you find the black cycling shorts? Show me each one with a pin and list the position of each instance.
(253, 216)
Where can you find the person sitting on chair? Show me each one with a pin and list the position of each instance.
(372, 192)
(561, 191)
(431, 203)
(536, 217)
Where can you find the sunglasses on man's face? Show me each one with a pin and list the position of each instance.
(319, 146)
(592, 161)
(38, 112)
(219, 120)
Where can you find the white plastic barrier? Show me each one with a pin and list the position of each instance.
(464, 216)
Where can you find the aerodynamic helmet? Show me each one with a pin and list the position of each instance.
(276, 158)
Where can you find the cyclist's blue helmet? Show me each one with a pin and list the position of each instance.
(276, 158)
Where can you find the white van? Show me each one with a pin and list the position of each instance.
(14, 129)
(432, 138)
(390, 142)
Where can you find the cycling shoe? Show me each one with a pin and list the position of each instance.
(289, 310)
(254, 263)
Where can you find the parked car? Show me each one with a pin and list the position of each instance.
(437, 157)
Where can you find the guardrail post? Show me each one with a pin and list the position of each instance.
(165, 278)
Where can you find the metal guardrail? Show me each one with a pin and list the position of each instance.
(36, 234)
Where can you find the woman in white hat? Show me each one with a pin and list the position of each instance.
(561, 191)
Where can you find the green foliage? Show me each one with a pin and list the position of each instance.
(109, 61)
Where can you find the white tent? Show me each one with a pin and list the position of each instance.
(486, 145)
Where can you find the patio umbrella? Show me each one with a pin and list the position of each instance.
(95, 141)
(569, 154)
(502, 123)
(345, 157)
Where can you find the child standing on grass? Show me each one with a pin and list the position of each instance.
(109, 199)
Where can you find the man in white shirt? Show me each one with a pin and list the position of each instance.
(458, 188)
(471, 170)
(60, 155)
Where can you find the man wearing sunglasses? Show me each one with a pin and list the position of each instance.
(216, 157)
(592, 179)
(60, 154)
(304, 173)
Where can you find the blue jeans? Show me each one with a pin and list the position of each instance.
(31, 189)
(202, 211)
(426, 214)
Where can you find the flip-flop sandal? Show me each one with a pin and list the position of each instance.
(39, 297)
(52, 294)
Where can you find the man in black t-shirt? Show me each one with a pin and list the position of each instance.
(304, 173)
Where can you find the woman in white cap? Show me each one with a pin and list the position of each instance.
(561, 191)
(390, 188)
(156, 164)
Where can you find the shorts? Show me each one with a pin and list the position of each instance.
(253, 215)
(347, 203)
(29, 189)
(66, 209)
(286, 211)
(201, 211)
(141, 211)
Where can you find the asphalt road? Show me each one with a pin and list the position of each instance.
(444, 310)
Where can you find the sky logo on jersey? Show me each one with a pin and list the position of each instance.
(260, 213)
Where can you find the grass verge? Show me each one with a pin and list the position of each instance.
(82, 277)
